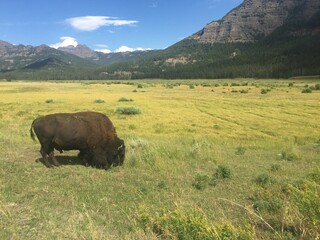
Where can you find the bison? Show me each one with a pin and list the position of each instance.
(92, 133)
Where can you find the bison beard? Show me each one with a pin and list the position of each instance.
(91, 133)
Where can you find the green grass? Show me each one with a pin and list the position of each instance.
(175, 146)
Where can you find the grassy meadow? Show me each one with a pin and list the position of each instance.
(233, 159)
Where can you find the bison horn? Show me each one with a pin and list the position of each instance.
(121, 146)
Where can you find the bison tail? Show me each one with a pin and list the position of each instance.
(32, 135)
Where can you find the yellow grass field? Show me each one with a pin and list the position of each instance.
(186, 130)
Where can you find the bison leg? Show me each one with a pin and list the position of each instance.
(45, 158)
(53, 159)
(106, 166)
(85, 157)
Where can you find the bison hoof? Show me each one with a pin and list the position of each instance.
(49, 165)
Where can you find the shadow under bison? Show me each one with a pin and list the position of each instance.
(92, 133)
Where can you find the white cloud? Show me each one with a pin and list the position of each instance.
(66, 41)
(124, 49)
(90, 23)
(128, 49)
(103, 50)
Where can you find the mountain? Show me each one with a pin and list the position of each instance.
(41, 62)
(85, 52)
(14, 57)
(255, 19)
(44, 62)
(81, 51)
(259, 38)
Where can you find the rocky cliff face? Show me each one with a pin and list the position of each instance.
(81, 51)
(18, 55)
(254, 19)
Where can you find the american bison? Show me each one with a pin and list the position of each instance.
(92, 133)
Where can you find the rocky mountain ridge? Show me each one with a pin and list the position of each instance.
(81, 51)
(13, 57)
(255, 19)
(17, 56)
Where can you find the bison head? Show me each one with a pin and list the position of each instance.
(118, 154)
(105, 157)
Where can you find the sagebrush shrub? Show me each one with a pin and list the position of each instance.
(307, 90)
(263, 180)
(244, 91)
(240, 150)
(289, 156)
(222, 172)
(124, 99)
(99, 101)
(201, 181)
(275, 167)
(129, 110)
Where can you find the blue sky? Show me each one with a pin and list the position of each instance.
(107, 25)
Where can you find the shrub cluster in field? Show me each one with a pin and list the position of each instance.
(124, 99)
(49, 100)
(288, 156)
(128, 110)
(180, 224)
(99, 101)
(201, 181)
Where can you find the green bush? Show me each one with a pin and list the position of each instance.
(275, 167)
(201, 181)
(222, 172)
(264, 91)
(49, 101)
(189, 225)
(99, 101)
(129, 110)
(307, 90)
(269, 200)
(244, 91)
(288, 156)
(240, 150)
(124, 99)
(263, 180)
